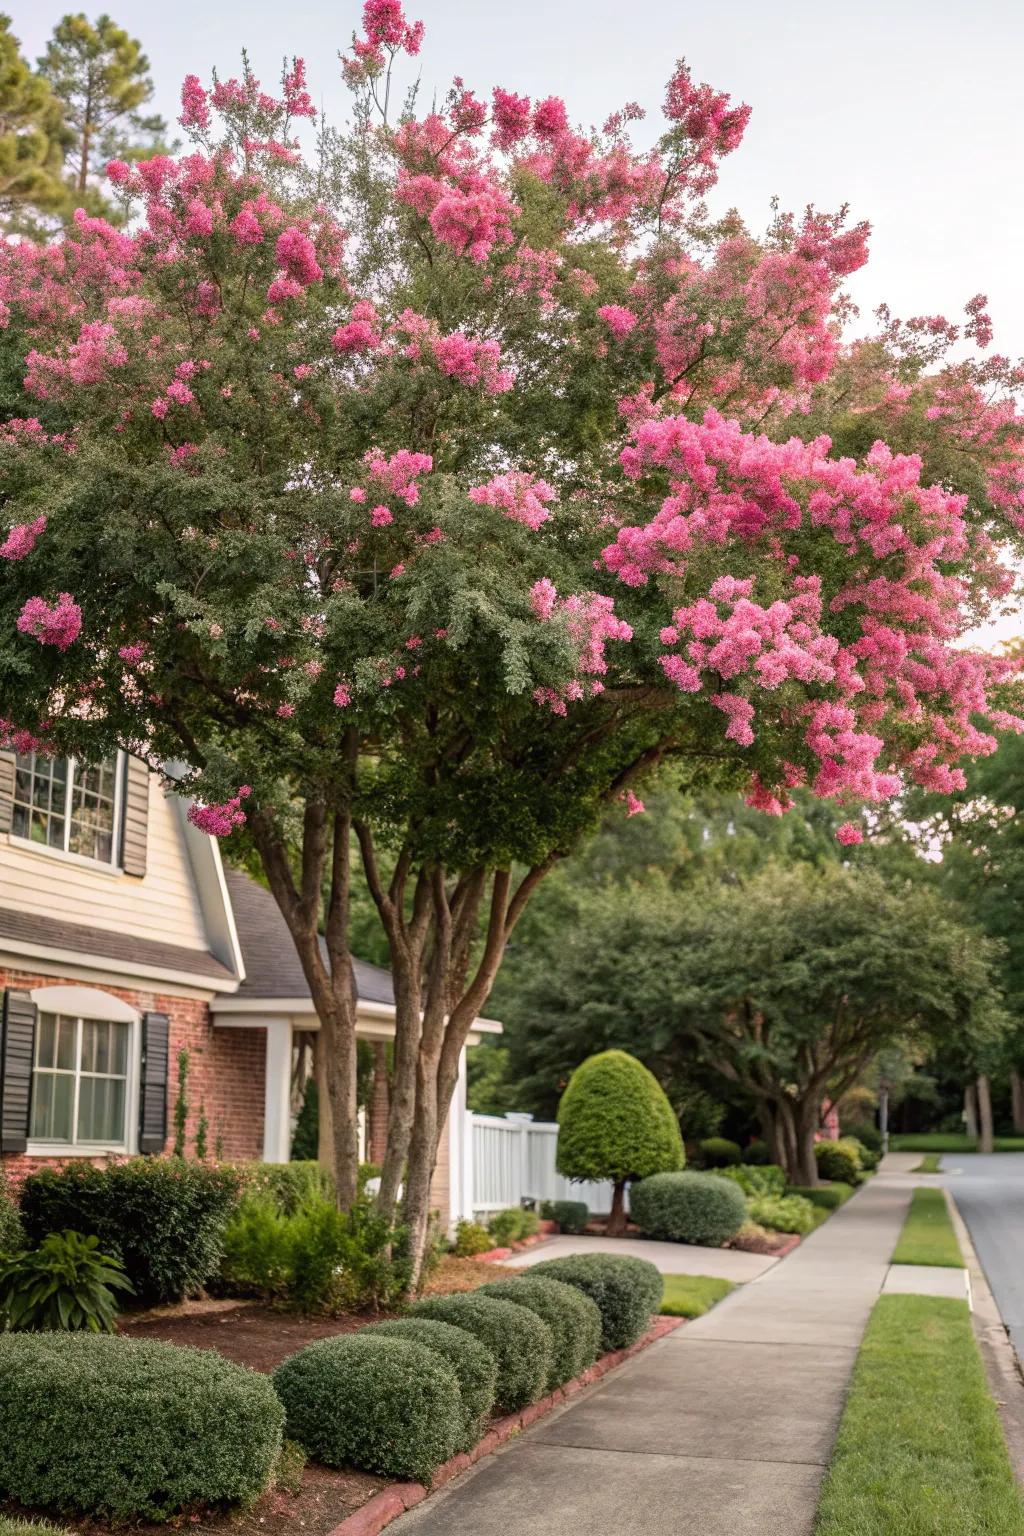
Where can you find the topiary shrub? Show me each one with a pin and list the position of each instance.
(162, 1217)
(718, 1152)
(782, 1213)
(614, 1122)
(471, 1238)
(381, 1404)
(473, 1364)
(688, 1208)
(573, 1318)
(838, 1160)
(828, 1197)
(756, 1154)
(520, 1342)
(626, 1291)
(769, 1180)
(571, 1215)
(131, 1429)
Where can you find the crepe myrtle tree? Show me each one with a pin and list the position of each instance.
(422, 493)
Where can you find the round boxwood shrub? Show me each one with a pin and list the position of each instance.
(718, 1152)
(573, 1318)
(472, 1362)
(131, 1428)
(614, 1122)
(838, 1160)
(688, 1207)
(756, 1154)
(626, 1291)
(381, 1404)
(520, 1342)
(571, 1215)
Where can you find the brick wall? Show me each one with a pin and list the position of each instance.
(226, 1069)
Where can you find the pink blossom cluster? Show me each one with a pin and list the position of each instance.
(520, 496)
(386, 28)
(59, 624)
(219, 820)
(619, 320)
(22, 539)
(591, 622)
(457, 356)
(360, 334)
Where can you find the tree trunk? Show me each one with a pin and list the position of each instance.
(325, 1133)
(985, 1141)
(380, 1105)
(1017, 1093)
(971, 1111)
(617, 1220)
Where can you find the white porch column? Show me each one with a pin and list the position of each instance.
(277, 1092)
(460, 1150)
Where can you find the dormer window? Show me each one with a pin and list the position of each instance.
(68, 806)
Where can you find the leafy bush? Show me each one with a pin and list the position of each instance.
(626, 1291)
(782, 1213)
(838, 1160)
(318, 1259)
(163, 1218)
(718, 1152)
(571, 1215)
(381, 1404)
(471, 1238)
(289, 1185)
(507, 1226)
(867, 1133)
(131, 1429)
(521, 1344)
(615, 1122)
(531, 1221)
(767, 1180)
(65, 1283)
(573, 1318)
(828, 1197)
(473, 1364)
(756, 1154)
(869, 1159)
(12, 1238)
(688, 1207)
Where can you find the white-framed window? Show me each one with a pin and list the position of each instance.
(69, 807)
(85, 1073)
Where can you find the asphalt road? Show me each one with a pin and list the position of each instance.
(989, 1192)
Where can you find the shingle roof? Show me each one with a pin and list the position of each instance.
(272, 967)
(106, 944)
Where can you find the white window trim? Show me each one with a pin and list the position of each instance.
(91, 1003)
(111, 866)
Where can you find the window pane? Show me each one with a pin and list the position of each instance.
(104, 1047)
(91, 832)
(53, 1098)
(101, 1109)
(55, 1042)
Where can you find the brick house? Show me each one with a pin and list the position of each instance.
(123, 940)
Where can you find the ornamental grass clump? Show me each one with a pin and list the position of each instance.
(688, 1208)
(473, 1364)
(131, 1429)
(573, 1318)
(626, 1291)
(385, 1405)
(520, 1342)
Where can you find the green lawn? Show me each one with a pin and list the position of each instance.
(920, 1450)
(692, 1295)
(929, 1163)
(928, 1236)
(950, 1142)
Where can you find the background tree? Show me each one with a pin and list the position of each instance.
(101, 76)
(614, 1122)
(33, 139)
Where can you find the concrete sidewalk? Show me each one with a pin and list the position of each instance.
(724, 1428)
(670, 1258)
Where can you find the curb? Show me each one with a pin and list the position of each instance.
(384, 1507)
(494, 1255)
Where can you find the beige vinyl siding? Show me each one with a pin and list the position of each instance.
(161, 905)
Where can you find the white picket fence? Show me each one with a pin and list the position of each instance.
(512, 1162)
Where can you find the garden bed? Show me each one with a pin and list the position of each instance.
(247, 1333)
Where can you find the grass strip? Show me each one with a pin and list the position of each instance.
(692, 1295)
(928, 1236)
(929, 1163)
(952, 1141)
(920, 1450)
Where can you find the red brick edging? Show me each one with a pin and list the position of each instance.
(384, 1507)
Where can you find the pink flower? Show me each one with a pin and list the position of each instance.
(380, 517)
(511, 118)
(342, 696)
(620, 321)
(521, 497)
(159, 408)
(220, 820)
(21, 539)
(285, 711)
(132, 654)
(550, 117)
(179, 392)
(848, 834)
(60, 625)
(195, 109)
(296, 253)
(634, 807)
(543, 596)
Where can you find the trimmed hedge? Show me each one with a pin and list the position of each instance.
(626, 1291)
(573, 1318)
(719, 1152)
(571, 1215)
(162, 1217)
(828, 1197)
(688, 1207)
(473, 1364)
(520, 1342)
(381, 1404)
(615, 1122)
(839, 1160)
(131, 1428)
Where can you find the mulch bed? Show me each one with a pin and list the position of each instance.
(251, 1335)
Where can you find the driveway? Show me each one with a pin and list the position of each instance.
(670, 1258)
(989, 1192)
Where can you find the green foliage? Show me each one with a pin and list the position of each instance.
(928, 1235)
(491, 1088)
(573, 1318)
(385, 1405)
(827, 1197)
(839, 1160)
(513, 1225)
(688, 1208)
(866, 1133)
(33, 138)
(782, 1213)
(289, 1185)
(179, 1115)
(131, 1430)
(314, 1258)
(473, 1363)
(626, 1291)
(757, 1154)
(571, 1215)
(614, 1122)
(65, 1283)
(11, 1234)
(869, 1158)
(202, 1133)
(163, 1218)
(756, 1179)
(692, 1295)
(471, 1238)
(718, 1152)
(306, 1136)
(519, 1341)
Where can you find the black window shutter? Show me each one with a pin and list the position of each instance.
(156, 1029)
(135, 824)
(6, 790)
(17, 1053)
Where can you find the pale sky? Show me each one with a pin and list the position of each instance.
(909, 110)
